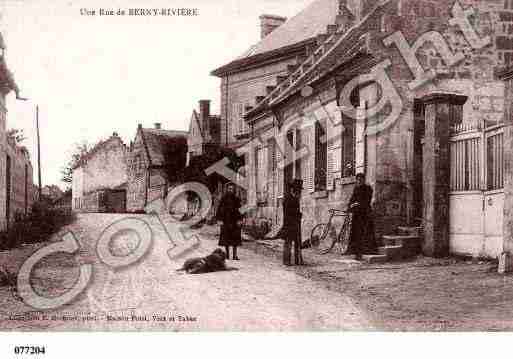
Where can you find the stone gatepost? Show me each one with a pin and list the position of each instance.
(506, 258)
(441, 111)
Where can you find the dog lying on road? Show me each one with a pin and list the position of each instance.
(214, 262)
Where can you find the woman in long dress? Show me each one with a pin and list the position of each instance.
(229, 214)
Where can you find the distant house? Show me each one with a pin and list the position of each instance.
(100, 177)
(16, 184)
(155, 158)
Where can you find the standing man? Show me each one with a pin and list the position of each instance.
(362, 229)
(292, 223)
(229, 213)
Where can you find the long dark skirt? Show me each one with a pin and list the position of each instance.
(230, 235)
(362, 240)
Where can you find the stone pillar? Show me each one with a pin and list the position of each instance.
(506, 258)
(440, 112)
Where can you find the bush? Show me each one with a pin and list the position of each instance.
(36, 227)
(7, 279)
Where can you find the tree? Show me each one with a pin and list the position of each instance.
(16, 135)
(78, 152)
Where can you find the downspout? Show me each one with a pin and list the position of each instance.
(226, 107)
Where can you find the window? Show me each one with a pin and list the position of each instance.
(349, 140)
(289, 164)
(321, 155)
(298, 161)
(261, 175)
(272, 161)
(239, 125)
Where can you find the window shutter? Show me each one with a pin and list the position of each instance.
(279, 166)
(251, 175)
(310, 159)
(360, 141)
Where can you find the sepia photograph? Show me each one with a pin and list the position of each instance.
(281, 166)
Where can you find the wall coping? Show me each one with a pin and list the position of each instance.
(439, 97)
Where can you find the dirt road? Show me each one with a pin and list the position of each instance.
(257, 294)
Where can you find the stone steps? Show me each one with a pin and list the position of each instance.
(392, 252)
(406, 244)
(410, 231)
(375, 258)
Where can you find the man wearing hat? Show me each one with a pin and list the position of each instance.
(292, 222)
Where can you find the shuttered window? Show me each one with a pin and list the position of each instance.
(348, 146)
(321, 155)
(299, 160)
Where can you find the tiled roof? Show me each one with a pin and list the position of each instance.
(305, 26)
(158, 142)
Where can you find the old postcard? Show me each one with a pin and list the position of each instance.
(264, 166)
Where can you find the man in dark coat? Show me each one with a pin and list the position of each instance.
(362, 229)
(228, 212)
(292, 223)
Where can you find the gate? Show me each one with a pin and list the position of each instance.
(477, 191)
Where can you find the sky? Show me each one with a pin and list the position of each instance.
(95, 75)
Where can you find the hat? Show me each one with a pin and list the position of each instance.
(296, 183)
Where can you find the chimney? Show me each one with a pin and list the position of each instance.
(204, 106)
(269, 23)
(158, 126)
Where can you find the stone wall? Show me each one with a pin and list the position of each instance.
(21, 180)
(137, 176)
(3, 151)
(390, 156)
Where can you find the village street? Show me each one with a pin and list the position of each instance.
(257, 294)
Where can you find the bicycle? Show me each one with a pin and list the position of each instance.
(318, 236)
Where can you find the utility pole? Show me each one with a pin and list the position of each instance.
(38, 153)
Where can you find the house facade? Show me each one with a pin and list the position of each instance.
(155, 157)
(204, 131)
(100, 178)
(16, 183)
(284, 44)
(362, 101)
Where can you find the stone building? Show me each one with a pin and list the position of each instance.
(100, 178)
(16, 183)
(155, 158)
(403, 91)
(283, 45)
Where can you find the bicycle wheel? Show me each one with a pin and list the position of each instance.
(328, 242)
(317, 236)
(344, 237)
